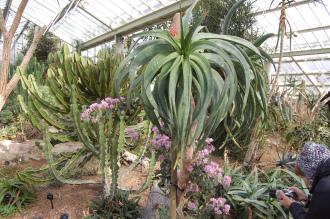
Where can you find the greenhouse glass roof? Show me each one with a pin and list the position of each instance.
(307, 51)
(93, 22)
(83, 20)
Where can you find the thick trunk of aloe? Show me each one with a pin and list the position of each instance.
(184, 173)
(173, 187)
(250, 153)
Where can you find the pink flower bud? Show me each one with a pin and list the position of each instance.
(175, 28)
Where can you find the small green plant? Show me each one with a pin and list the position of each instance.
(8, 132)
(6, 116)
(14, 194)
(7, 210)
(119, 207)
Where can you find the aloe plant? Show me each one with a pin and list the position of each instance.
(191, 81)
(249, 193)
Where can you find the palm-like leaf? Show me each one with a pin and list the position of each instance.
(191, 83)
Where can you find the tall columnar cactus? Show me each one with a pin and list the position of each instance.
(107, 119)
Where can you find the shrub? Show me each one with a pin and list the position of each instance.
(6, 117)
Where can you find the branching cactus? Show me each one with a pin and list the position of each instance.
(102, 129)
(92, 81)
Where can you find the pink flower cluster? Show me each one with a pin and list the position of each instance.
(132, 133)
(192, 205)
(107, 103)
(226, 182)
(202, 155)
(193, 187)
(219, 206)
(212, 169)
(160, 141)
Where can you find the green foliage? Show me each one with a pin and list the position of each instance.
(8, 132)
(242, 22)
(48, 43)
(7, 210)
(249, 193)
(6, 117)
(20, 192)
(119, 207)
(286, 160)
(199, 77)
(318, 130)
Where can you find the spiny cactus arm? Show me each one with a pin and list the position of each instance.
(52, 167)
(38, 176)
(93, 84)
(32, 88)
(150, 176)
(69, 76)
(144, 148)
(81, 131)
(102, 78)
(80, 69)
(103, 146)
(114, 154)
(33, 118)
(58, 93)
(72, 165)
(42, 176)
(34, 179)
(83, 96)
(121, 138)
(58, 122)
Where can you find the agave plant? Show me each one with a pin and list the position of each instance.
(189, 80)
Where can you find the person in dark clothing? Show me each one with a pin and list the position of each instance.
(313, 163)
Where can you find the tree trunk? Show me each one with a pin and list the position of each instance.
(184, 173)
(173, 187)
(6, 89)
(250, 153)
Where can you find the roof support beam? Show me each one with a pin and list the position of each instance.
(294, 4)
(21, 33)
(303, 53)
(307, 85)
(93, 16)
(306, 60)
(303, 74)
(138, 24)
(294, 32)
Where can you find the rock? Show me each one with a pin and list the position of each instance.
(145, 163)
(156, 198)
(128, 157)
(66, 147)
(91, 168)
(15, 151)
(52, 129)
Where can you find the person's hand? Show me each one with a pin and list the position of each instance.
(284, 200)
(301, 196)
